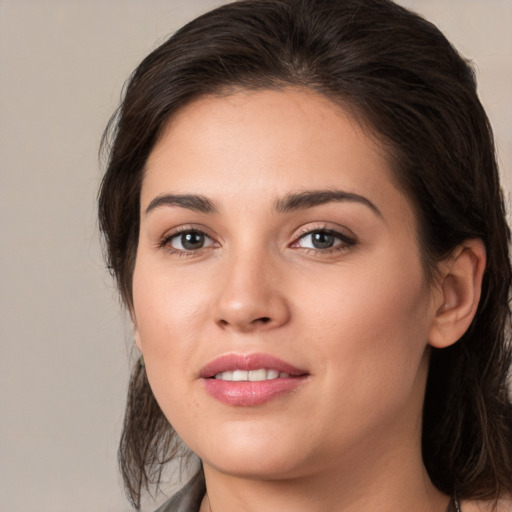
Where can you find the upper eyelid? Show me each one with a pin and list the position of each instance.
(185, 228)
(339, 230)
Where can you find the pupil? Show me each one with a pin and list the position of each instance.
(322, 240)
(192, 240)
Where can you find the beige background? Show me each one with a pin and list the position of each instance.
(64, 344)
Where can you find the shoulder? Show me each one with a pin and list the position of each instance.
(187, 499)
(504, 505)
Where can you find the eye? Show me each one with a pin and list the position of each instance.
(323, 240)
(190, 240)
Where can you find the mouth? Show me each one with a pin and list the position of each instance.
(250, 379)
(251, 375)
(249, 367)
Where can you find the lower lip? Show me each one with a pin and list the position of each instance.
(251, 393)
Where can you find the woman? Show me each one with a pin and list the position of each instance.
(303, 213)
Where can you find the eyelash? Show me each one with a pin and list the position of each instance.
(165, 242)
(346, 241)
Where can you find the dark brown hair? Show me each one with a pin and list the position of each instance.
(399, 75)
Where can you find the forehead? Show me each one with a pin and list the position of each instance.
(264, 144)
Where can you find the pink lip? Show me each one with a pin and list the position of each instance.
(250, 393)
(230, 362)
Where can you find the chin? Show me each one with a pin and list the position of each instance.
(255, 466)
(251, 452)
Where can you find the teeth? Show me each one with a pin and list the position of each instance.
(251, 375)
(257, 375)
(272, 374)
(239, 375)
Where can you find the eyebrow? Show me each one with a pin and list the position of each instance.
(289, 203)
(309, 199)
(190, 201)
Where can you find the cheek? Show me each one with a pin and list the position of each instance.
(169, 312)
(370, 327)
(167, 304)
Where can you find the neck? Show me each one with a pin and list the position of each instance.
(388, 483)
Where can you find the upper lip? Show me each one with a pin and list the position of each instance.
(230, 362)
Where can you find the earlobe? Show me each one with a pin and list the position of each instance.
(136, 337)
(136, 334)
(460, 285)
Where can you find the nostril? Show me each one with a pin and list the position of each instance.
(248, 324)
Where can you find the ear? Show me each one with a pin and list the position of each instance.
(137, 338)
(459, 287)
(136, 334)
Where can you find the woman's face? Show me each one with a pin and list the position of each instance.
(277, 254)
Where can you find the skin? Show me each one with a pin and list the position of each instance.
(359, 317)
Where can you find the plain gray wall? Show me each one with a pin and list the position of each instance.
(65, 345)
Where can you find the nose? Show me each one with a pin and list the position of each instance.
(252, 297)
